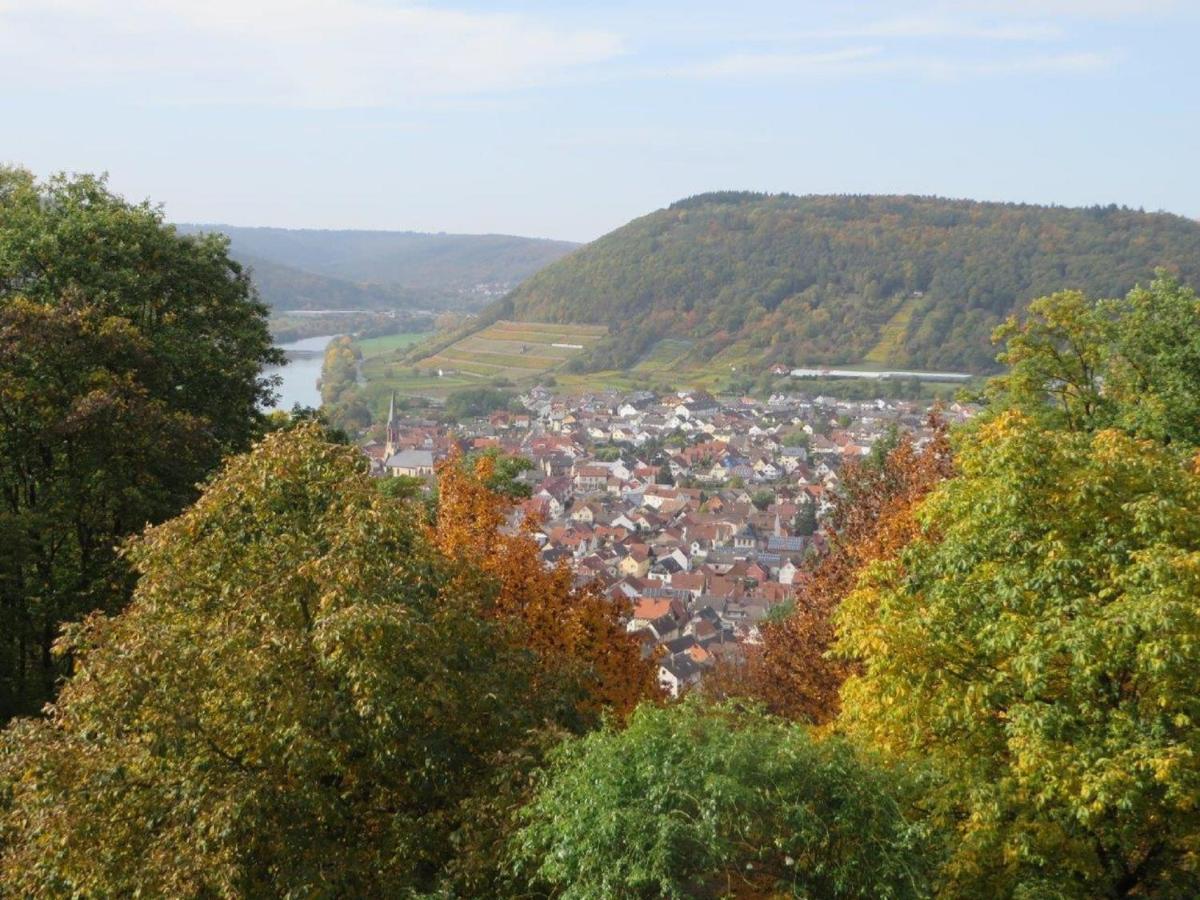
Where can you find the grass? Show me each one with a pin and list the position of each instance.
(378, 346)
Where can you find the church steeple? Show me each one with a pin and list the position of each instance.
(393, 431)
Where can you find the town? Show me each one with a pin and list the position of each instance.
(698, 511)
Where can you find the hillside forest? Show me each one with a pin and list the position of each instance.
(892, 281)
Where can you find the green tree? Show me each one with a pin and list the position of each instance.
(1055, 361)
(693, 801)
(1153, 374)
(506, 470)
(1039, 643)
(467, 403)
(805, 523)
(130, 362)
(298, 700)
(1132, 363)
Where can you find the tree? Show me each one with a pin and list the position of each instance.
(576, 633)
(130, 362)
(1153, 374)
(1055, 361)
(506, 469)
(762, 499)
(689, 801)
(299, 699)
(1038, 644)
(792, 670)
(1132, 363)
(468, 403)
(805, 523)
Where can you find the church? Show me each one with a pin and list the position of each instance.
(396, 462)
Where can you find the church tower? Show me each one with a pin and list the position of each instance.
(393, 431)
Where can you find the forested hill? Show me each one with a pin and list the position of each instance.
(320, 268)
(288, 288)
(893, 280)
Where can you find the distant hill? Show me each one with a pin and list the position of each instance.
(285, 288)
(309, 269)
(896, 281)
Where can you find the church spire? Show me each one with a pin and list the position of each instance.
(393, 432)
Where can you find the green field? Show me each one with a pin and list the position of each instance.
(378, 346)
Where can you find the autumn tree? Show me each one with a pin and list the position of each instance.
(791, 670)
(577, 633)
(130, 363)
(1037, 644)
(299, 701)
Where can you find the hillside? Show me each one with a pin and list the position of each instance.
(384, 268)
(286, 288)
(885, 280)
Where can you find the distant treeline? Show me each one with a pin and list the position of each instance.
(288, 328)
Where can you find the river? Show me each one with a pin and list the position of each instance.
(301, 373)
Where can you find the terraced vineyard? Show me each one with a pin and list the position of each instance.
(514, 349)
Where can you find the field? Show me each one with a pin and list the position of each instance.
(514, 350)
(378, 346)
(670, 363)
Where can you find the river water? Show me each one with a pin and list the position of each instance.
(301, 373)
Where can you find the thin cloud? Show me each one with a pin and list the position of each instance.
(288, 52)
(757, 65)
(945, 27)
(870, 61)
(1080, 9)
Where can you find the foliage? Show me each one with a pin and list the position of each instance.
(1039, 642)
(792, 670)
(278, 420)
(339, 370)
(583, 650)
(469, 403)
(506, 472)
(1132, 363)
(805, 523)
(689, 801)
(298, 699)
(908, 281)
(130, 361)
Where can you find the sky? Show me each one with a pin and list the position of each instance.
(567, 119)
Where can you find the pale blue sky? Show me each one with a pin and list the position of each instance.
(565, 119)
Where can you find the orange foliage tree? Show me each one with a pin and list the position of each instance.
(576, 633)
(791, 670)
